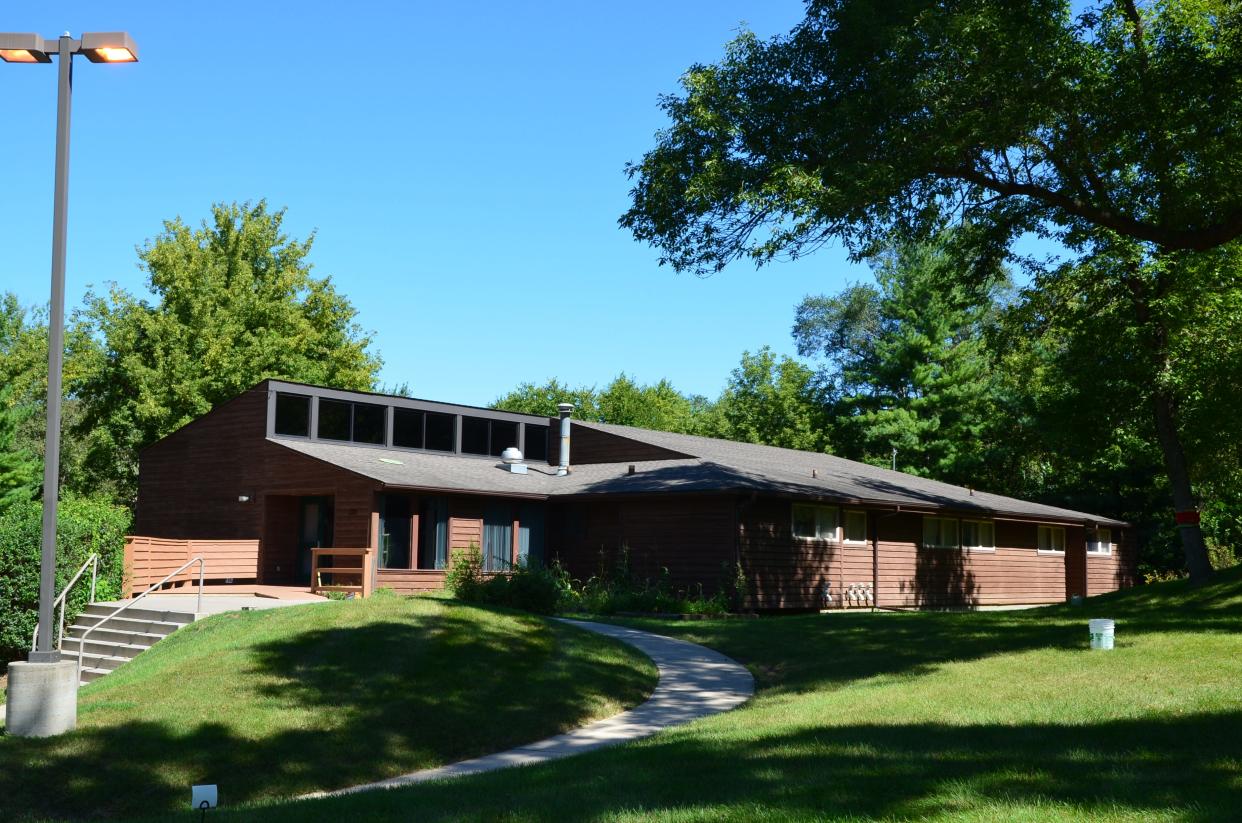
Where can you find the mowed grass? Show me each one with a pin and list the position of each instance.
(292, 700)
(963, 717)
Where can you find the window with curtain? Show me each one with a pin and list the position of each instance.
(979, 535)
(1100, 541)
(497, 537)
(815, 522)
(940, 533)
(433, 537)
(530, 534)
(1051, 539)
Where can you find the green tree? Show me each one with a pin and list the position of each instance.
(542, 399)
(23, 386)
(623, 401)
(1105, 129)
(20, 469)
(234, 303)
(774, 401)
(907, 365)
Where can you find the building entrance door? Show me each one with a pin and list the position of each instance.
(314, 532)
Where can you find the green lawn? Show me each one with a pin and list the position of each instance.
(972, 717)
(291, 700)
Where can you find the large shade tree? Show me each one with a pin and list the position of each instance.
(234, 302)
(1112, 129)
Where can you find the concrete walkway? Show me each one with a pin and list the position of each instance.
(694, 682)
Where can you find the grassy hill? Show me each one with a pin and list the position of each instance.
(286, 701)
(962, 717)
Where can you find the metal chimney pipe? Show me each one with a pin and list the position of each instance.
(566, 410)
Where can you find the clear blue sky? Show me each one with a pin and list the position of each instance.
(462, 164)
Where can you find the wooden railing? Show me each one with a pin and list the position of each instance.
(149, 559)
(354, 576)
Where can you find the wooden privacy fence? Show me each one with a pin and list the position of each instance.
(148, 559)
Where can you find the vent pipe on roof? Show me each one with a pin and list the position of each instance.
(566, 410)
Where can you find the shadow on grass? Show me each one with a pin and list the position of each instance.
(837, 648)
(370, 701)
(862, 771)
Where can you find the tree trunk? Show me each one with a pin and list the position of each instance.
(1197, 562)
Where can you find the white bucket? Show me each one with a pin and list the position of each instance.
(1101, 633)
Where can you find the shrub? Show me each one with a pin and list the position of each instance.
(531, 587)
(84, 526)
(618, 589)
(536, 589)
(464, 579)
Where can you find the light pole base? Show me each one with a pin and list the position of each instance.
(42, 698)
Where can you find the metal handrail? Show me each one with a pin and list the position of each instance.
(202, 565)
(93, 562)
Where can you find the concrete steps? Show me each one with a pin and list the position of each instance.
(118, 640)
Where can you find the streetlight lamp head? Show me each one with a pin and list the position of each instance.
(109, 47)
(22, 48)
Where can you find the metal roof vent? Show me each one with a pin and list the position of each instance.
(512, 458)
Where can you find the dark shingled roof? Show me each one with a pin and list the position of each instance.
(711, 465)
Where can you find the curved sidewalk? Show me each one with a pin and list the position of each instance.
(694, 682)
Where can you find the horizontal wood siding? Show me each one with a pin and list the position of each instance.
(1106, 573)
(189, 482)
(465, 525)
(411, 581)
(784, 572)
(149, 559)
(692, 537)
(911, 576)
(595, 446)
(789, 573)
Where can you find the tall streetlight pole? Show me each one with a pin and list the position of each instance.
(40, 703)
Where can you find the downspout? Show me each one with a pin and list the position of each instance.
(565, 410)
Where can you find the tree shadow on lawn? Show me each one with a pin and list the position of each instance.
(371, 712)
(1186, 767)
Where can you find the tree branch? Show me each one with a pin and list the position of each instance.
(1200, 239)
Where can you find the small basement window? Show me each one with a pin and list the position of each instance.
(1051, 539)
(334, 419)
(979, 535)
(441, 432)
(407, 428)
(940, 533)
(293, 414)
(855, 527)
(369, 423)
(815, 522)
(1100, 541)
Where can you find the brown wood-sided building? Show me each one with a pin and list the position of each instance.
(294, 467)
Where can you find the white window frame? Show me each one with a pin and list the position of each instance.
(990, 524)
(957, 529)
(1051, 530)
(820, 511)
(845, 516)
(1093, 540)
